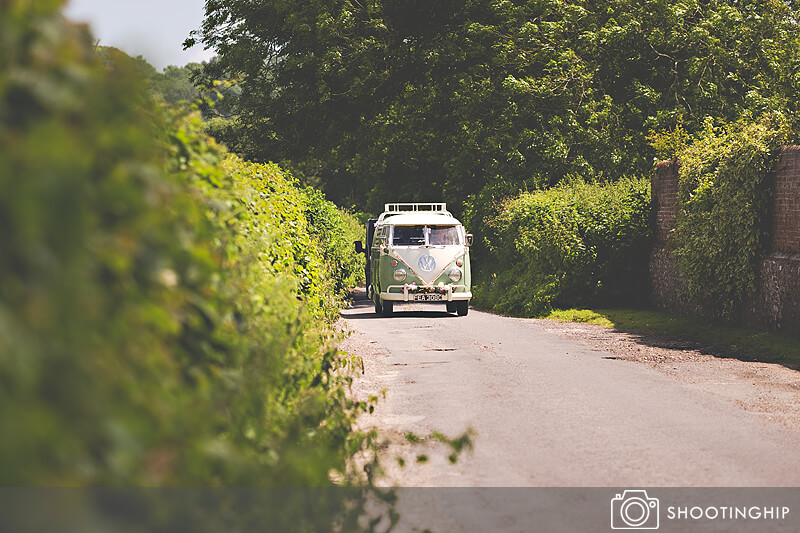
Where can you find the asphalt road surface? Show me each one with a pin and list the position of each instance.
(549, 410)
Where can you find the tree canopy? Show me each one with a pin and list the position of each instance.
(379, 100)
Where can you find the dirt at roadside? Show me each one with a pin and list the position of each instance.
(768, 389)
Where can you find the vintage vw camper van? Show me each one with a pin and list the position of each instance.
(417, 253)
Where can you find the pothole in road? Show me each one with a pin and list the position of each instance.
(611, 357)
(440, 349)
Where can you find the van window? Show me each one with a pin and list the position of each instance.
(408, 235)
(443, 236)
(424, 235)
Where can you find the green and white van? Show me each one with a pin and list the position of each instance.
(417, 253)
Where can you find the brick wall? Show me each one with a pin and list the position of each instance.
(786, 210)
(665, 198)
(776, 304)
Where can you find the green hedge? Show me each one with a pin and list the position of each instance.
(576, 244)
(161, 302)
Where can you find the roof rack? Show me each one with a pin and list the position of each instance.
(398, 209)
(416, 208)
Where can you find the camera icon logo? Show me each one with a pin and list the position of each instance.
(633, 509)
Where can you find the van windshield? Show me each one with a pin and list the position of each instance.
(408, 236)
(426, 235)
(443, 236)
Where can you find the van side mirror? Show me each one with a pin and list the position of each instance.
(470, 239)
(359, 247)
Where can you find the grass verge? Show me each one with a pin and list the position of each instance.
(745, 344)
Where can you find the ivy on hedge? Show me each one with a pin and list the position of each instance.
(723, 200)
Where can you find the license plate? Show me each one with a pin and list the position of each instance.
(427, 297)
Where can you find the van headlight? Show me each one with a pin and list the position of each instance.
(399, 274)
(454, 275)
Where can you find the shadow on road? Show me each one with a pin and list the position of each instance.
(362, 308)
(680, 344)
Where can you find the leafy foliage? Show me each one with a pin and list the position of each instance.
(174, 84)
(379, 100)
(668, 144)
(160, 301)
(575, 244)
(723, 202)
(180, 86)
(334, 234)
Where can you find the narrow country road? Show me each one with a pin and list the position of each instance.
(550, 410)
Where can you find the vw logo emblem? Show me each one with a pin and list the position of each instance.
(427, 263)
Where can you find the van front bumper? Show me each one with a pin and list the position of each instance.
(401, 293)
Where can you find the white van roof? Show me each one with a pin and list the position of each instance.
(413, 214)
(421, 219)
